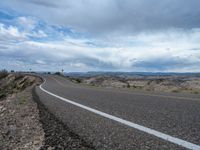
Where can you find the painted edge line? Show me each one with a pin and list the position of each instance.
(158, 134)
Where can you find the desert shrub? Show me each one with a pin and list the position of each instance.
(195, 92)
(149, 82)
(2, 95)
(175, 91)
(57, 73)
(19, 76)
(78, 80)
(159, 81)
(134, 86)
(3, 73)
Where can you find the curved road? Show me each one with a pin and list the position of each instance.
(121, 119)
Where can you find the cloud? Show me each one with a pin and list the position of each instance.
(167, 63)
(158, 52)
(26, 23)
(11, 31)
(114, 35)
(113, 16)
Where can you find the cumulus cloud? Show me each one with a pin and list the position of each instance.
(28, 24)
(158, 52)
(86, 35)
(11, 31)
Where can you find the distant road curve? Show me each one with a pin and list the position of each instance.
(159, 119)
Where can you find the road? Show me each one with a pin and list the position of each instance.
(122, 119)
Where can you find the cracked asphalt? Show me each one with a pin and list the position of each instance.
(178, 117)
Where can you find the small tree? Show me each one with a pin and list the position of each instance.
(128, 85)
(57, 73)
(3, 73)
(78, 80)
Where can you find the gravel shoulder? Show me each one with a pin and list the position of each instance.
(26, 123)
(57, 134)
(20, 125)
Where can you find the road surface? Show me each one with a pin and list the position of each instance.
(121, 119)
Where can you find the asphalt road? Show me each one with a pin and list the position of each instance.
(176, 115)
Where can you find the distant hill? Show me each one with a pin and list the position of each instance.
(93, 73)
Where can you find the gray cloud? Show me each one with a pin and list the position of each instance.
(44, 3)
(93, 63)
(123, 16)
(167, 63)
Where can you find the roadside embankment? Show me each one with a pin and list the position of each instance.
(20, 125)
(25, 121)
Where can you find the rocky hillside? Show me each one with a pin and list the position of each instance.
(190, 84)
(20, 125)
(13, 83)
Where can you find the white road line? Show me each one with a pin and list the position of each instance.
(158, 134)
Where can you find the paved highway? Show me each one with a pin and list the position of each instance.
(121, 119)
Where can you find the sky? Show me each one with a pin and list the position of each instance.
(105, 35)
